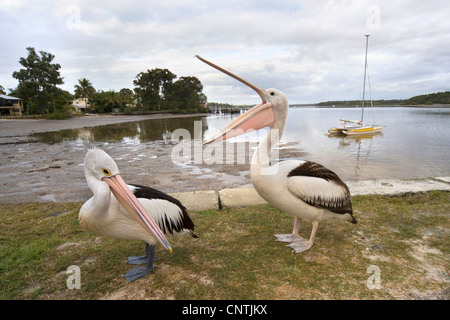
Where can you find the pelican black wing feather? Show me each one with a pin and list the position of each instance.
(168, 225)
(340, 204)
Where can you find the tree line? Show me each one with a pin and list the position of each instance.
(156, 90)
(432, 98)
(429, 99)
(357, 103)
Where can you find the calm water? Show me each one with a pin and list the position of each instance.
(414, 143)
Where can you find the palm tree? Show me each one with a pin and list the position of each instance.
(84, 89)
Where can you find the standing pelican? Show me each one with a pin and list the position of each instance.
(129, 212)
(304, 189)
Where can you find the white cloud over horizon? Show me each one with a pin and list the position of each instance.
(311, 50)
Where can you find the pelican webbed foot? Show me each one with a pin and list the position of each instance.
(140, 272)
(300, 245)
(137, 273)
(296, 242)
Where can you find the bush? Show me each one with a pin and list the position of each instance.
(57, 115)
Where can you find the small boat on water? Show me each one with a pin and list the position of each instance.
(357, 127)
(363, 130)
(345, 125)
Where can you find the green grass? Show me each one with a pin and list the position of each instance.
(236, 256)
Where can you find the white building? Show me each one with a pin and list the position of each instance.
(81, 104)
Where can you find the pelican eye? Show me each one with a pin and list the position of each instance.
(106, 172)
(272, 93)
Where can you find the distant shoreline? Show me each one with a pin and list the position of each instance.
(378, 106)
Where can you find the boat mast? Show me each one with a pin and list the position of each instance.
(364, 86)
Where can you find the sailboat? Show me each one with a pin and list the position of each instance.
(357, 127)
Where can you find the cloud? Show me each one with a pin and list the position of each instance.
(311, 50)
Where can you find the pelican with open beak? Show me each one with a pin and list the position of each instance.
(260, 116)
(130, 212)
(303, 189)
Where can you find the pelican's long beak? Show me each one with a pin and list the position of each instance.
(258, 117)
(127, 199)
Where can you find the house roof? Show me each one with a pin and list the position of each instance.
(2, 96)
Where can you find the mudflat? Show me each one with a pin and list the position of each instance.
(40, 172)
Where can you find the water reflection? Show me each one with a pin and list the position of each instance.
(414, 143)
(128, 132)
(359, 146)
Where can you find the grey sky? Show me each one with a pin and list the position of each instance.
(311, 50)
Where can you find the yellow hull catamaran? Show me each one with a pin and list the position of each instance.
(364, 130)
(357, 127)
